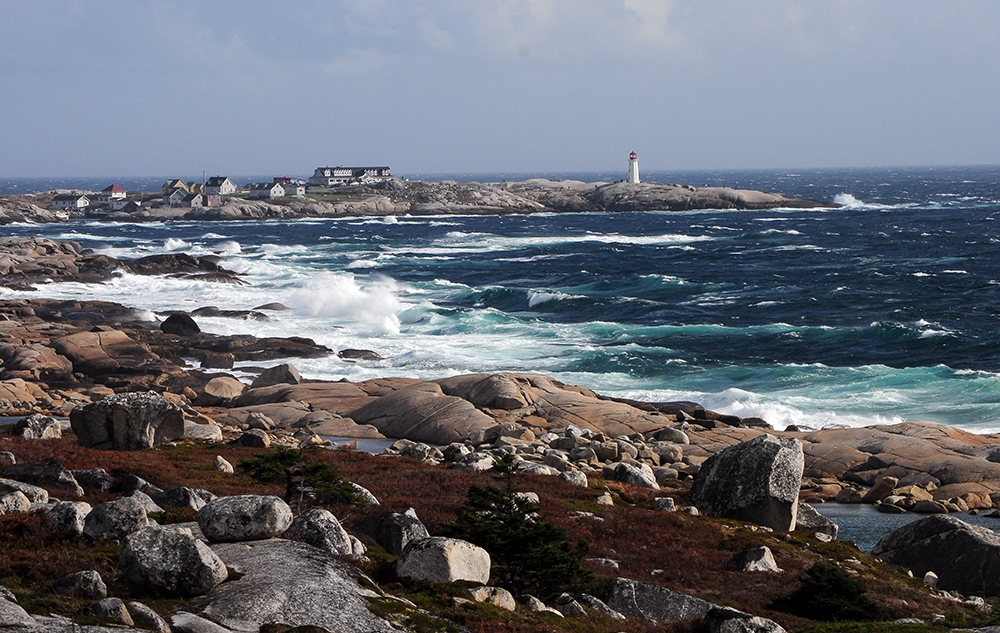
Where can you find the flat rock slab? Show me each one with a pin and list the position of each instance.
(635, 599)
(291, 583)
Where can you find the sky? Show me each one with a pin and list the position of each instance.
(135, 87)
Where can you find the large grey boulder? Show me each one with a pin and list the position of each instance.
(169, 563)
(38, 427)
(394, 530)
(67, 519)
(83, 584)
(726, 620)
(291, 583)
(321, 529)
(440, 559)
(635, 599)
(14, 503)
(11, 615)
(35, 494)
(636, 474)
(127, 421)
(115, 519)
(755, 481)
(966, 558)
(145, 618)
(808, 519)
(754, 559)
(48, 474)
(183, 497)
(244, 518)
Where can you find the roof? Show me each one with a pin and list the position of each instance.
(264, 186)
(216, 181)
(191, 196)
(113, 189)
(68, 197)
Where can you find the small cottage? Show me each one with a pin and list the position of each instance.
(261, 190)
(72, 201)
(220, 185)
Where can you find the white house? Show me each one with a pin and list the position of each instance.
(337, 176)
(296, 189)
(266, 190)
(73, 201)
(119, 204)
(109, 193)
(220, 185)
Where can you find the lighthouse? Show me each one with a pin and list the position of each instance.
(633, 168)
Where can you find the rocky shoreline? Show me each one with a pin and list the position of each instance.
(127, 383)
(401, 197)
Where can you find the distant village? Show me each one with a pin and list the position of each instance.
(212, 192)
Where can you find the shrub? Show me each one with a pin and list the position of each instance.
(828, 593)
(529, 554)
(307, 481)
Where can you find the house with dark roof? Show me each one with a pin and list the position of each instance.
(338, 176)
(220, 185)
(192, 200)
(175, 198)
(262, 190)
(172, 185)
(71, 201)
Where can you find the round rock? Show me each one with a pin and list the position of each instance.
(162, 562)
(244, 518)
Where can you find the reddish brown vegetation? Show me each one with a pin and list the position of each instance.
(679, 551)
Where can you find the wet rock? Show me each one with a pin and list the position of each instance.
(280, 374)
(440, 559)
(128, 421)
(358, 354)
(244, 518)
(755, 481)
(180, 324)
(167, 563)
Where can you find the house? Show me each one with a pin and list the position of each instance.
(266, 190)
(337, 176)
(112, 192)
(72, 201)
(296, 189)
(220, 185)
(172, 185)
(192, 200)
(118, 204)
(131, 206)
(211, 199)
(175, 198)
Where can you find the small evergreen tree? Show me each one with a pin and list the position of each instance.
(828, 593)
(529, 554)
(307, 481)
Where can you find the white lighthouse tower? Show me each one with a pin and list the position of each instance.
(633, 168)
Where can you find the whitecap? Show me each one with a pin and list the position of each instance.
(175, 244)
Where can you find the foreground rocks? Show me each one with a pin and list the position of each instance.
(964, 557)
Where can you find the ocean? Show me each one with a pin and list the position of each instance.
(883, 310)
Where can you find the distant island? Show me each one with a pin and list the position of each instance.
(364, 192)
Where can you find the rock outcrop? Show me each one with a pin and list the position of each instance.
(159, 562)
(966, 558)
(440, 559)
(128, 421)
(756, 481)
(244, 518)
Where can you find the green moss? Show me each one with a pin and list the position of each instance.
(409, 618)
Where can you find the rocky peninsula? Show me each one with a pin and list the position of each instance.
(693, 518)
(402, 197)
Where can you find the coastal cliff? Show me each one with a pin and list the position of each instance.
(400, 197)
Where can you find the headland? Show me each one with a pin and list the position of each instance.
(399, 197)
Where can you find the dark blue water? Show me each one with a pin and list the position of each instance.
(883, 310)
